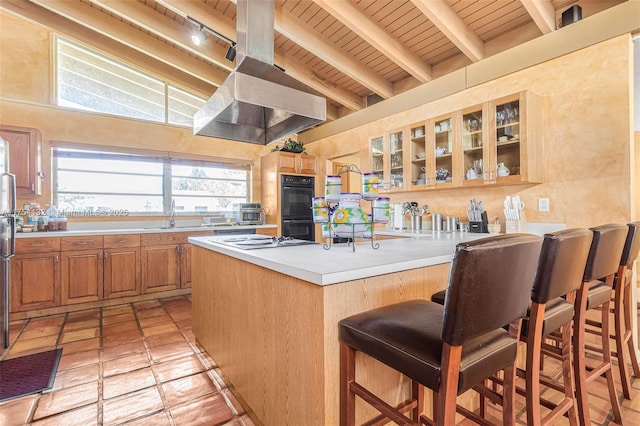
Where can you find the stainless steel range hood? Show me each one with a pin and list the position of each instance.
(258, 103)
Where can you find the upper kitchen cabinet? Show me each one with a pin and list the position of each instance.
(377, 157)
(24, 157)
(290, 162)
(420, 156)
(515, 147)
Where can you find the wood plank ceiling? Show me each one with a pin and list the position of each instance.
(353, 52)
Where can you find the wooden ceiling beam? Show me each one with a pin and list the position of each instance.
(226, 27)
(376, 36)
(166, 28)
(315, 43)
(450, 24)
(82, 34)
(542, 13)
(92, 18)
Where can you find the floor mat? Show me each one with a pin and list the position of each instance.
(28, 374)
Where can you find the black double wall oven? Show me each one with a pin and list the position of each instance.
(296, 200)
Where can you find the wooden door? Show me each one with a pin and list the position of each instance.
(344, 177)
(82, 276)
(24, 158)
(35, 281)
(121, 272)
(306, 164)
(160, 268)
(287, 162)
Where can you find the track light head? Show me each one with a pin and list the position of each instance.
(231, 53)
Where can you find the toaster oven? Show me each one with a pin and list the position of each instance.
(249, 213)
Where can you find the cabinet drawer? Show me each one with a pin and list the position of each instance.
(115, 241)
(37, 245)
(81, 243)
(163, 238)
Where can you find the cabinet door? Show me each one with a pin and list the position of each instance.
(418, 155)
(376, 148)
(121, 272)
(475, 145)
(441, 172)
(306, 164)
(82, 276)
(35, 281)
(160, 268)
(395, 160)
(287, 162)
(24, 157)
(185, 265)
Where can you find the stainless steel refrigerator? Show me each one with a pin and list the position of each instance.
(7, 237)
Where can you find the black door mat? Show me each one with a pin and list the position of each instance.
(28, 374)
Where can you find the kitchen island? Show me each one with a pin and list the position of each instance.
(269, 317)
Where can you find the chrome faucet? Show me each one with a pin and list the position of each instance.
(172, 217)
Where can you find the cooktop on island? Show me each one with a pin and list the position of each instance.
(251, 242)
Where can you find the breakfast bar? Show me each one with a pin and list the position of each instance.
(268, 317)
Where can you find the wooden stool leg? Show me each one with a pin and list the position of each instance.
(509, 396)
(567, 373)
(532, 374)
(448, 392)
(347, 376)
(621, 331)
(417, 394)
(579, 366)
(606, 354)
(628, 303)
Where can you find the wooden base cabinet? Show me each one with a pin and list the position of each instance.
(82, 276)
(35, 281)
(160, 268)
(121, 272)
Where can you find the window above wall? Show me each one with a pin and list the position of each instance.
(104, 183)
(89, 81)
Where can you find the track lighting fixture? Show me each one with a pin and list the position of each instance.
(199, 36)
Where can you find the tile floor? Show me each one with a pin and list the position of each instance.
(138, 364)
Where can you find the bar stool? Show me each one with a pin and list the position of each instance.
(447, 348)
(559, 275)
(622, 300)
(595, 292)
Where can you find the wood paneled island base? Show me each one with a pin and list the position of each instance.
(275, 337)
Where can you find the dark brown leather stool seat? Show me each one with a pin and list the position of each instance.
(558, 312)
(439, 297)
(407, 337)
(599, 293)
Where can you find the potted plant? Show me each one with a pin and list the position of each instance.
(291, 146)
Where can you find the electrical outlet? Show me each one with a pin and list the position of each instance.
(543, 205)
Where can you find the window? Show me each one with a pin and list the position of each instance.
(90, 81)
(102, 182)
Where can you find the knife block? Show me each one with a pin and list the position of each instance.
(480, 226)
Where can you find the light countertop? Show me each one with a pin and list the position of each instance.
(314, 264)
(142, 230)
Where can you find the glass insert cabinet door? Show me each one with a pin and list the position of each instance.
(507, 139)
(443, 151)
(418, 154)
(474, 159)
(396, 160)
(377, 158)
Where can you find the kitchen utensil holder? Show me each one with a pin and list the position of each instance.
(516, 226)
(351, 168)
(480, 226)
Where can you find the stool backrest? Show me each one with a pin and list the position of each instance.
(561, 264)
(631, 245)
(606, 251)
(489, 285)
